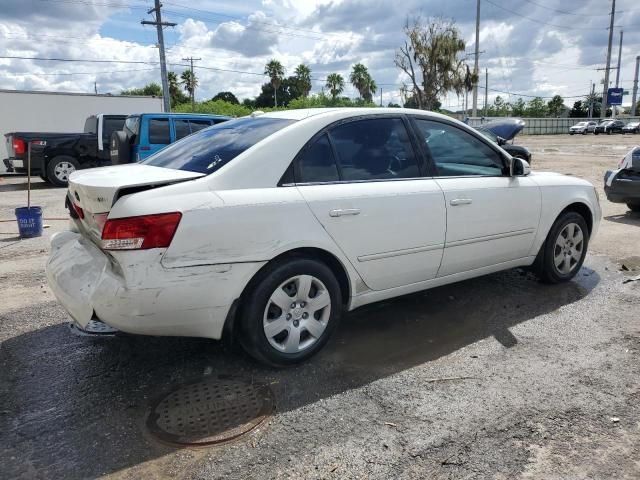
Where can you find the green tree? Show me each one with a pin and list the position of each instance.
(150, 90)
(335, 84)
(189, 81)
(302, 76)
(536, 108)
(579, 110)
(555, 106)
(275, 71)
(362, 81)
(518, 108)
(226, 97)
(433, 58)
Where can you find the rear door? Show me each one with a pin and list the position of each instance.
(491, 217)
(365, 183)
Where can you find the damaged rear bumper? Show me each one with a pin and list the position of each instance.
(135, 294)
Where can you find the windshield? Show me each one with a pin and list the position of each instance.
(208, 150)
(605, 122)
(581, 124)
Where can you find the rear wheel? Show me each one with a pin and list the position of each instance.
(290, 312)
(59, 168)
(634, 206)
(564, 250)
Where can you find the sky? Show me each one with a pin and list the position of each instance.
(530, 47)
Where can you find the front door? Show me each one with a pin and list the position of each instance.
(363, 182)
(492, 217)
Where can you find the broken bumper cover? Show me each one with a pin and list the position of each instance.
(147, 299)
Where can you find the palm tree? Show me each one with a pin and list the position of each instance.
(372, 88)
(335, 84)
(302, 76)
(275, 71)
(361, 80)
(190, 82)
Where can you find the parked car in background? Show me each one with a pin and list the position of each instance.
(501, 131)
(631, 127)
(268, 227)
(623, 184)
(145, 134)
(54, 156)
(609, 127)
(583, 127)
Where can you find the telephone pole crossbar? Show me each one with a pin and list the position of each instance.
(159, 24)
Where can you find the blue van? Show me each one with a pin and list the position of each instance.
(146, 133)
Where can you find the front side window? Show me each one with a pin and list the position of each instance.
(458, 153)
(208, 150)
(159, 131)
(374, 149)
(316, 163)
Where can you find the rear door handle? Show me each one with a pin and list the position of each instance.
(460, 201)
(341, 212)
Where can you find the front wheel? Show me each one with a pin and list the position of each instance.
(564, 250)
(59, 168)
(290, 312)
(634, 207)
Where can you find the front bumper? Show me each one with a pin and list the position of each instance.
(622, 186)
(143, 298)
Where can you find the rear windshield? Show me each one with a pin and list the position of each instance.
(208, 150)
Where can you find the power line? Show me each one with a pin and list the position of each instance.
(564, 12)
(540, 21)
(77, 73)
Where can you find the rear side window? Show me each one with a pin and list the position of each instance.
(91, 125)
(208, 150)
(159, 131)
(199, 125)
(182, 128)
(374, 149)
(316, 163)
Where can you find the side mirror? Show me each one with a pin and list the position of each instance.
(501, 141)
(519, 167)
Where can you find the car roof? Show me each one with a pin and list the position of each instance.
(178, 115)
(346, 112)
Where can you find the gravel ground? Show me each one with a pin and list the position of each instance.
(497, 377)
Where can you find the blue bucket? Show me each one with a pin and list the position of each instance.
(29, 221)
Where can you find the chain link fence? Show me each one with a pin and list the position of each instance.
(544, 126)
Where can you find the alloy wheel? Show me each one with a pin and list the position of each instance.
(62, 171)
(568, 248)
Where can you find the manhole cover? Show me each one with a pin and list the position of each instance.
(210, 412)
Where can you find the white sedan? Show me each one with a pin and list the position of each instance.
(268, 227)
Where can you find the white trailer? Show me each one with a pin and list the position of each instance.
(62, 112)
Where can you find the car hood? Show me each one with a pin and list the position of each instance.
(507, 128)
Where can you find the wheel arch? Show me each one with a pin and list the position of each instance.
(583, 209)
(232, 325)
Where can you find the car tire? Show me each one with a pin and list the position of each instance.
(634, 207)
(584, 133)
(564, 249)
(595, 133)
(570, 133)
(278, 333)
(59, 168)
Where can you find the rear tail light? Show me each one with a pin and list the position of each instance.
(19, 146)
(140, 233)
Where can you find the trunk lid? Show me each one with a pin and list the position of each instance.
(95, 190)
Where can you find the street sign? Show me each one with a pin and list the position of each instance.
(614, 96)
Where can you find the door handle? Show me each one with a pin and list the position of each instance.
(460, 201)
(341, 212)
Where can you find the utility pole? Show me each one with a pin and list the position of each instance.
(592, 99)
(192, 91)
(603, 108)
(380, 96)
(95, 87)
(634, 98)
(475, 67)
(486, 90)
(619, 60)
(159, 24)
